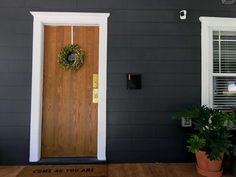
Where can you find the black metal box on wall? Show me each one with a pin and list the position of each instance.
(134, 81)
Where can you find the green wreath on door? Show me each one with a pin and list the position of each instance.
(71, 57)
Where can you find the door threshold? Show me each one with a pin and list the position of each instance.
(69, 160)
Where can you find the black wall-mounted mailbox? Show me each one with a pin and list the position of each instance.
(134, 81)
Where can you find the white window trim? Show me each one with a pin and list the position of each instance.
(208, 25)
(76, 19)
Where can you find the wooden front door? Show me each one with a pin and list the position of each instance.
(69, 127)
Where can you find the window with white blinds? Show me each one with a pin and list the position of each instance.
(224, 70)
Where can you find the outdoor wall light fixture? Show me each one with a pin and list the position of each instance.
(228, 1)
(183, 14)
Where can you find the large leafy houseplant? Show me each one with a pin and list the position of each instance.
(210, 135)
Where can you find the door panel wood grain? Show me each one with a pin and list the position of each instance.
(69, 126)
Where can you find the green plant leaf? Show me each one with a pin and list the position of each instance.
(195, 143)
(210, 132)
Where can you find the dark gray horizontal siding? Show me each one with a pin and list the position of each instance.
(14, 120)
(153, 54)
(15, 93)
(14, 106)
(144, 37)
(13, 132)
(14, 151)
(153, 28)
(145, 144)
(158, 92)
(15, 79)
(15, 66)
(115, 81)
(16, 40)
(166, 15)
(146, 105)
(132, 118)
(154, 41)
(15, 3)
(154, 67)
(16, 27)
(153, 4)
(12, 13)
(144, 131)
(20, 53)
(51, 3)
(149, 156)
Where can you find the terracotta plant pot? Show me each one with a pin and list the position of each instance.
(207, 167)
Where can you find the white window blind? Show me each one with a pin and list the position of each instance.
(224, 70)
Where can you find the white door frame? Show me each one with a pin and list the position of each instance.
(66, 19)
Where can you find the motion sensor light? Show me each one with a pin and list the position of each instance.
(183, 14)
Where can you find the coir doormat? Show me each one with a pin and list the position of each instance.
(99, 170)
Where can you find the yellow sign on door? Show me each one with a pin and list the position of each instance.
(95, 80)
(95, 88)
(95, 95)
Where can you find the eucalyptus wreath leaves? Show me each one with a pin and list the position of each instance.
(71, 57)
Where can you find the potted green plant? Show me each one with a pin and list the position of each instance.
(210, 139)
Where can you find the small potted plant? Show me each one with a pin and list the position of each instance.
(210, 139)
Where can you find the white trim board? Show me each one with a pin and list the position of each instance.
(67, 19)
(208, 25)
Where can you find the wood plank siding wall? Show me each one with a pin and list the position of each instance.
(145, 37)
